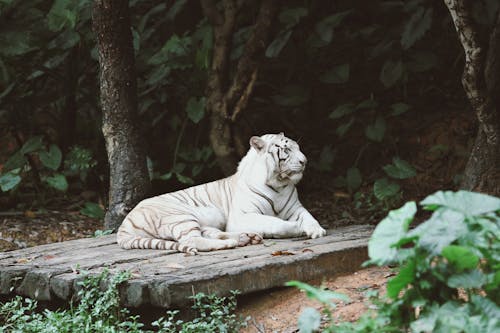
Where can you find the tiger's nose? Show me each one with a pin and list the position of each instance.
(302, 160)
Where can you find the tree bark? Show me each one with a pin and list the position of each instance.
(129, 178)
(226, 97)
(482, 87)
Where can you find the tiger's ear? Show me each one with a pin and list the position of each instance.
(257, 143)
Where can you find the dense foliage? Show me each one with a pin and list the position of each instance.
(328, 64)
(448, 278)
(100, 312)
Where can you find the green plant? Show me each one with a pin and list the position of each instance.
(49, 171)
(98, 310)
(78, 162)
(213, 315)
(449, 268)
(100, 233)
(92, 209)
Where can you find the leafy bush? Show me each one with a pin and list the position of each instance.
(50, 170)
(449, 269)
(99, 311)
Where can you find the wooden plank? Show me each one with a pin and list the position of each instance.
(166, 278)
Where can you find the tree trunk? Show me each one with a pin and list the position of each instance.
(226, 97)
(481, 81)
(129, 178)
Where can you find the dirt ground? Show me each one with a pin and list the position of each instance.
(276, 311)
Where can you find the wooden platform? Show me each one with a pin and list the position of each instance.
(166, 279)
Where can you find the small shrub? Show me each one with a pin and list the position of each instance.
(449, 269)
(99, 311)
(213, 315)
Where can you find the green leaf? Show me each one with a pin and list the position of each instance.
(384, 189)
(175, 9)
(399, 169)
(399, 108)
(172, 51)
(51, 158)
(376, 131)
(290, 17)
(443, 228)
(325, 27)
(342, 129)
(367, 104)
(16, 161)
(7, 90)
(405, 276)
(467, 203)
(184, 179)
(488, 307)
(309, 320)
(16, 43)
(322, 295)
(92, 209)
(57, 181)
(468, 280)
(354, 179)
(62, 14)
(33, 144)
(416, 27)
(195, 109)
(337, 74)
(166, 176)
(10, 180)
(388, 232)
(292, 95)
(101, 233)
(426, 321)
(391, 72)
(342, 110)
(460, 256)
(274, 49)
(326, 158)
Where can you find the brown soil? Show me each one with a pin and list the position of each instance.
(24, 229)
(278, 310)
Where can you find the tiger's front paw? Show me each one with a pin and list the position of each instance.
(314, 230)
(249, 238)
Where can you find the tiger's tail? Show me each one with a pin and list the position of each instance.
(129, 242)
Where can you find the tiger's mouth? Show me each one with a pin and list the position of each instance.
(289, 173)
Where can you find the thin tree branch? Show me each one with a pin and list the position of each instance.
(243, 101)
(246, 71)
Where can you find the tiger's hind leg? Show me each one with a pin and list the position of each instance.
(243, 238)
(188, 234)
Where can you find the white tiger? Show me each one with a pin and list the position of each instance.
(259, 200)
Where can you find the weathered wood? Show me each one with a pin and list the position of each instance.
(166, 278)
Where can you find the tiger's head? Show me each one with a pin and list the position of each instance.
(284, 161)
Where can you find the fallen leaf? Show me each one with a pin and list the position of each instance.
(30, 214)
(339, 194)
(48, 257)
(307, 250)
(282, 253)
(23, 260)
(174, 265)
